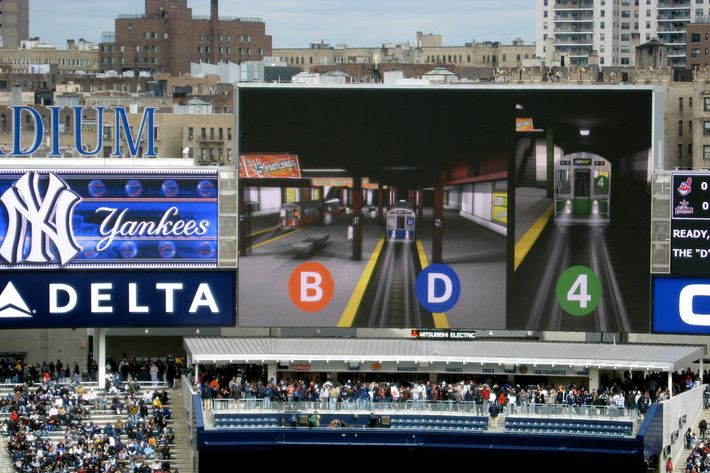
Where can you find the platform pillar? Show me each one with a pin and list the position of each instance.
(100, 337)
(438, 230)
(670, 384)
(243, 227)
(356, 221)
(380, 213)
(420, 203)
(550, 164)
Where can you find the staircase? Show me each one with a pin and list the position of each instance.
(5, 461)
(180, 452)
(525, 172)
(682, 457)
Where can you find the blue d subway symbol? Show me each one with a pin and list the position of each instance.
(438, 288)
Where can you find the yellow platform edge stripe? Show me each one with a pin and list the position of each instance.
(257, 233)
(276, 238)
(440, 320)
(523, 246)
(348, 315)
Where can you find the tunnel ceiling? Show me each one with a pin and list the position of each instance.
(406, 136)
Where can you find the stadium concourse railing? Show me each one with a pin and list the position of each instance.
(84, 383)
(444, 407)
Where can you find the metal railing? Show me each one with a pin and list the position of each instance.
(230, 18)
(439, 407)
(129, 16)
(86, 384)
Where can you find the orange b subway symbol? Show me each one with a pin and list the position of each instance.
(310, 287)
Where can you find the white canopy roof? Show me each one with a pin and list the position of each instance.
(284, 350)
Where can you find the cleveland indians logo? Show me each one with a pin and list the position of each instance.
(48, 219)
(684, 187)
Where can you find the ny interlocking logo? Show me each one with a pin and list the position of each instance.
(47, 219)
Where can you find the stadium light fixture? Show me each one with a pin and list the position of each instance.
(584, 131)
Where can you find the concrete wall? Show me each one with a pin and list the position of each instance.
(482, 195)
(686, 404)
(68, 345)
(454, 197)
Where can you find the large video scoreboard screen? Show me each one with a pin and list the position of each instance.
(445, 207)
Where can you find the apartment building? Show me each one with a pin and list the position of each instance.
(606, 32)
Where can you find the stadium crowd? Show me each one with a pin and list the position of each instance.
(128, 368)
(634, 393)
(50, 427)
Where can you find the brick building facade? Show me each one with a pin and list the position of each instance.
(168, 37)
(697, 45)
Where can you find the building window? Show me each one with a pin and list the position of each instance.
(680, 104)
(690, 102)
(203, 154)
(695, 52)
(706, 104)
(203, 133)
(706, 152)
(680, 127)
(695, 37)
(190, 153)
(190, 135)
(690, 150)
(229, 133)
(706, 128)
(680, 152)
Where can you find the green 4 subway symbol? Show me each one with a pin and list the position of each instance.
(579, 290)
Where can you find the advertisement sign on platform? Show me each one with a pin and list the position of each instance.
(265, 166)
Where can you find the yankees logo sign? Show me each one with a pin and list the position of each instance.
(48, 219)
(108, 218)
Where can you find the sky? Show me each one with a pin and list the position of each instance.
(297, 23)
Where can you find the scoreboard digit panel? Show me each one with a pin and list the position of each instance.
(690, 224)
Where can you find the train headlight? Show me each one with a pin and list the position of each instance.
(568, 207)
(595, 207)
